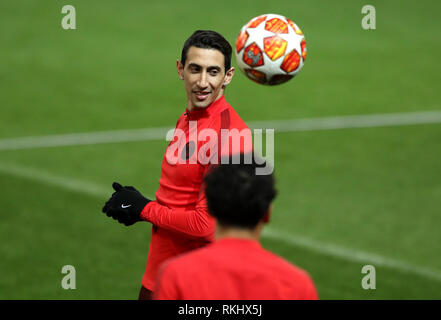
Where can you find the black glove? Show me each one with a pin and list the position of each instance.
(125, 204)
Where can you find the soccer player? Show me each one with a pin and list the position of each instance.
(179, 214)
(235, 266)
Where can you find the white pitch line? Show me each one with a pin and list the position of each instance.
(313, 124)
(66, 183)
(350, 122)
(323, 248)
(85, 138)
(351, 255)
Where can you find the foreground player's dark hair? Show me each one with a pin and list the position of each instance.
(236, 196)
(207, 39)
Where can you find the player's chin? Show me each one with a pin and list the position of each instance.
(202, 104)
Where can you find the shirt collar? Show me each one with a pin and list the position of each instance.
(207, 111)
(238, 241)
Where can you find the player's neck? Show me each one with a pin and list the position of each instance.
(233, 232)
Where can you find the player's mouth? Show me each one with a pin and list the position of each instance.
(201, 95)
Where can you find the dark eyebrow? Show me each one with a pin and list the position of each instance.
(216, 68)
(194, 65)
(210, 68)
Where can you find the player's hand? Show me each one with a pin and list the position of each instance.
(125, 204)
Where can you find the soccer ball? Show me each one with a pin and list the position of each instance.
(270, 49)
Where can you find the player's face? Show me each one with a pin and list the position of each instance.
(204, 76)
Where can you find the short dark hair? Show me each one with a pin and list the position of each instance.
(207, 39)
(236, 195)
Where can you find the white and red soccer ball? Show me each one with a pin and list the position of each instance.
(270, 49)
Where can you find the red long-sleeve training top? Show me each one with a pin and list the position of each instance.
(233, 269)
(179, 215)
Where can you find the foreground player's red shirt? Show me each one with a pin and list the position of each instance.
(179, 215)
(233, 269)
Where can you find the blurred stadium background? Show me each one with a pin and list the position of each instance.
(347, 197)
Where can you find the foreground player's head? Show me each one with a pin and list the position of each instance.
(205, 67)
(238, 197)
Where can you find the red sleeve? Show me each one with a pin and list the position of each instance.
(194, 222)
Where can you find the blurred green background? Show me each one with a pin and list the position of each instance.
(346, 197)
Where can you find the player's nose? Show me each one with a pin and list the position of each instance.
(203, 80)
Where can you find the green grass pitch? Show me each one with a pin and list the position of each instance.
(369, 190)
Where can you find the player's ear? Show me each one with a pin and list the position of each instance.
(229, 76)
(266, 217)
(180, 69)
